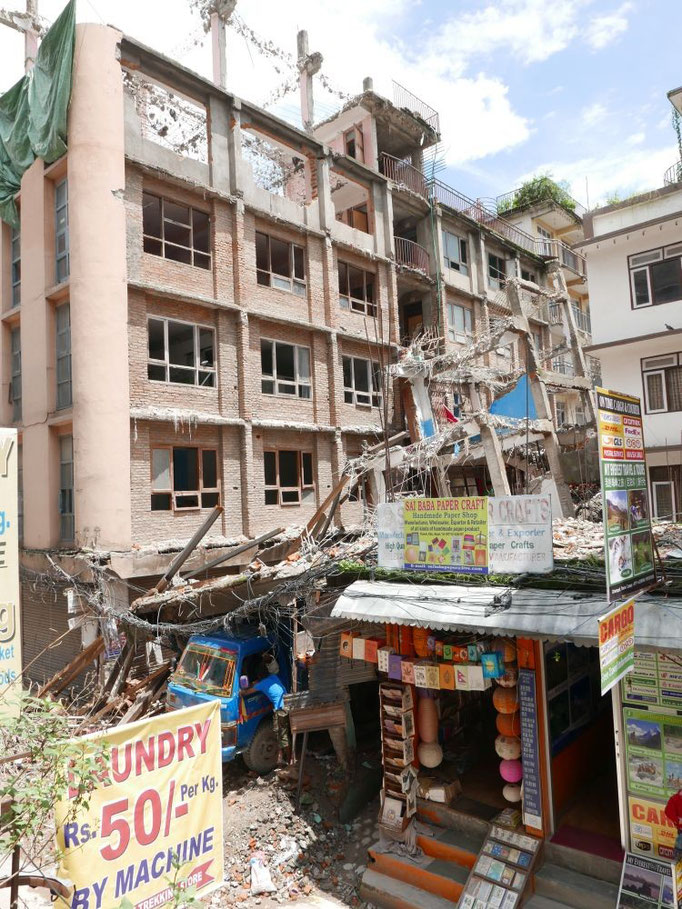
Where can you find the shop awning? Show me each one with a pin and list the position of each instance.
(544, 614)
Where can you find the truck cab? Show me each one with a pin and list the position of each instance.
(211, 666)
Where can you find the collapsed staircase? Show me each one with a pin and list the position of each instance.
(566, 879)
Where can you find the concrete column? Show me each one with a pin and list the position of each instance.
(335, 379)
(98, 292)
(234, 146)
(324, 196)
(383, 219)
(219, 131)
(247, 479)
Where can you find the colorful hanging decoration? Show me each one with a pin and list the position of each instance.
(430, 754)
(508, 747)
(508, 723)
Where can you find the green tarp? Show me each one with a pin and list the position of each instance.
(33, 113)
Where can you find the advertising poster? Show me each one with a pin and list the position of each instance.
(616, 644)
(520, 529)
(10, 606)
(656, 680)
(446, 534)
(155, 820)
(530, 752)
(652, 833)
(629, 557)
(646, 884)
(653, 744)
(390, 535)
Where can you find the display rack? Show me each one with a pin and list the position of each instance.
(502, 872)
(399, 794)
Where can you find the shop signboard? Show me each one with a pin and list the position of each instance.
(446, 535)
(647, 883)
(653, 743)
(10, 607)
(156, 818)
(530, 752)
(390, 535)
(520, 530)
(651, 832)
(655, 681)
(629, 558)
(616, 644)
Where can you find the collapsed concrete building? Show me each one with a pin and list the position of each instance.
(200, 305)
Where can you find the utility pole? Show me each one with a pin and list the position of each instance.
(29, 24)
(308, 66)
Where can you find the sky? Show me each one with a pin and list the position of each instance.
(573, 88)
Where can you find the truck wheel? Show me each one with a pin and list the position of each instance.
(261, 753)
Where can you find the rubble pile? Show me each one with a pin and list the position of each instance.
(576, 538)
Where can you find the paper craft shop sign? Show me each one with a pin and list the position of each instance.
(156, 817)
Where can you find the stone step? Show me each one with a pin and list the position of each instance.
(471, 817)
(387, 893)
(575, 889)
(452, 845)
(543, 902)
(583, 862)
(437, 876)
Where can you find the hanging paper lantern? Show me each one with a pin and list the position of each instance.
(511, 771)
(427, 720)
(506, 700)
(510, 677)
(430, 754)
(512, 793)
(506, 647)
(508, 723)
(420, 637)
(508, 747)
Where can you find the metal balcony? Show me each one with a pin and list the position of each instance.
(582, 320)
(403, 98)
(404, 174)
(563, 365)
(673, 174)
(411, 255)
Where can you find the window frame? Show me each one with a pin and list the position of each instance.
(462, 263)
(193, 251)
(302, 487)
(659, 370)
(494, 281)
(460, 337)
(354, 304)
(15, 266)
(662, 255)
(15, 374)
(654, 501)
(172, 492)
(359, 143)
(294, 285)
(63, 256)
(375, 393)
(298, 383)
(66, 493)
(166, 363)
(63, 356)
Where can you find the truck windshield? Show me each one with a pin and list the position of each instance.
(207, 668)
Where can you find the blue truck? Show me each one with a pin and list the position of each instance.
(211, 666)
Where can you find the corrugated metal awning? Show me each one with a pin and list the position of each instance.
(545, 614)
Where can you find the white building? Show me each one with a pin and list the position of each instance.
(634, 261)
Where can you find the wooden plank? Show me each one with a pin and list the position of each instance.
(67, 673)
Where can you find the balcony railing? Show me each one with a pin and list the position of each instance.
(404, 174)
(411, 254)
(582, 320)
(405, 99)
(594, 368)
(508, 201)
(673, 174)
(563, 366)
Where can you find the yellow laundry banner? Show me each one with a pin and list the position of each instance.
(155, 821)
(446, 534)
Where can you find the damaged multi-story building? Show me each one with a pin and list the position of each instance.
(199, 304)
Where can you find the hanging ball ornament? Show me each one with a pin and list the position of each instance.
(506, 647)
(511, 771)
(510, 677)
(512, 792)
(508, 723)
(430, 754)
(506, 700)
(507, 747)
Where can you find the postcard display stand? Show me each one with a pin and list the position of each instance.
(399, 795)
(503, 870)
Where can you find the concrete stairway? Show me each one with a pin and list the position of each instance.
(575, 889)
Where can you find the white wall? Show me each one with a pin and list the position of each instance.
(631, 215)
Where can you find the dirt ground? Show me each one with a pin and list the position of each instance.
(310, 855)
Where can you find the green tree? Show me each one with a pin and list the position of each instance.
(540, 189)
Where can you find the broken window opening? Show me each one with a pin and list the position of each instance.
(361, 382)
(15, 258)
(15, 382)
(175, 231)
(455, 252)
(351, 202)
(180, 353)
(184, 478)
(280, 264)
(275, 167)
(63, 359)
(354, 143)
(356, 289)
(66, 509)
(285, 369)
(460, 323)
(168, 118)
(288, 477)
(497, 274)
(61, 231)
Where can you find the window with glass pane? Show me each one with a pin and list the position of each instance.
(656, 277)
(66, 508)
(174, 231)
(460, 322)
(666, 281)
(356, 289)
(455, 252)
(61, 231)
(63, 339)
(16, 266)
(496, 271)
(184, 478)
(280, 264)
(361, 382)
(180, 352)
(15, 388)
(285, 369)
(288, 476)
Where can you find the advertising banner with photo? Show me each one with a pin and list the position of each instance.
(446, 534)
(10, 607)
(616, 644)
(647, 884)
(629, 556)
(155, 822)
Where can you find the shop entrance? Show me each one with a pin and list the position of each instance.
(582, 752)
